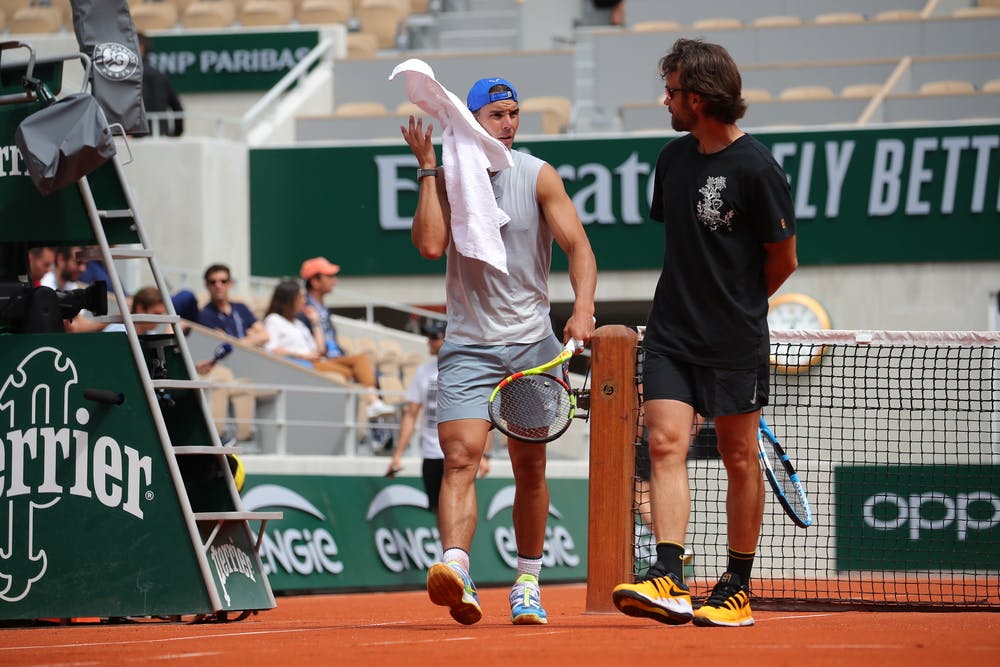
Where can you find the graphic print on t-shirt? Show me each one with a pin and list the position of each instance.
(710, 207)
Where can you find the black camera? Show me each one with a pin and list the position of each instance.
(28, 309)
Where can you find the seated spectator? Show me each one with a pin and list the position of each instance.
(147, 301)
(289, 337)
(232, 317)
(40, 261)
(65, 276)
(320, 277)
(186, 305)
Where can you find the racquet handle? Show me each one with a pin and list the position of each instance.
(574, 346)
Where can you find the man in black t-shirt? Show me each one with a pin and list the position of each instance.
(729, 226)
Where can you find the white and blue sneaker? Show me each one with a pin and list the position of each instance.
(526, 602)
(450, 586)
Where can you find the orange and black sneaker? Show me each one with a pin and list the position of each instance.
(727, 606)
(661, 598)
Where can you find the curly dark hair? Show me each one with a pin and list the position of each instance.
(709, 70)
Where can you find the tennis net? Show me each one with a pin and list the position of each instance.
(896, 436)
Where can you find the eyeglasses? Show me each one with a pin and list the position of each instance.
(674, 91)
(217, 281)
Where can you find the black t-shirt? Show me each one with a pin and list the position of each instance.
(710, 305)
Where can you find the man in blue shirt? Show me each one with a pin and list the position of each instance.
(232, 317)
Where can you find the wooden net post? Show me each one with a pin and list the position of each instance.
(613, 406)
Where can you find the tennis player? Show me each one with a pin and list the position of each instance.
(727, 213)
(497, 324)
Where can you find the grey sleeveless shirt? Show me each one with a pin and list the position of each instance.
(485, 307)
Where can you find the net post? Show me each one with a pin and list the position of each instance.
(613, 406)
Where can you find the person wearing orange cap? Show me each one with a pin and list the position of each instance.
(320, 276)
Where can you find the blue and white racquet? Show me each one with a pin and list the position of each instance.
(781, 475)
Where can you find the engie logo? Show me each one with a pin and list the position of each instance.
(294, 550)
(420, 547)
(45, 455)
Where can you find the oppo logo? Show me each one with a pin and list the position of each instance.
(933, 510)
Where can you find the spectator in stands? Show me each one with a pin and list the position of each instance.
(158, 94)
(498, 323)
(289, 337)
(221, 313)
(730, 243)
(40, 261)
(320, 276)
(65, 276)
(617, 7)
(146, 301)
(421, 396)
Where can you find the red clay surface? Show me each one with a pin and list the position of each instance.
(406, 630)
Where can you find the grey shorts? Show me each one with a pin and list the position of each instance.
(714, 392)
(467, 374)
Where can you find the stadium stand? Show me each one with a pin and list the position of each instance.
(266, 13)
(209, 14)
(384, 19)
(154, 15)
(317, 12)
(35, 20)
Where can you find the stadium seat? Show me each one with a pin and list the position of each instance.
(420, 6)
(839, 17)
(319, 12)
(209, 14)
(266, 13)
(382, 18)
(856, 90)
(35, 20)
(556, 112)
(361, 45)
(9, 7)
(656, 26)
(3, 21)
(775, 21)
(717, 23)
(974, 12)
(154, 15)
(361, 109)
(756, 94)
(946, 87)
(898, 15)
(806, 93)
(408, 108)
(991, 86)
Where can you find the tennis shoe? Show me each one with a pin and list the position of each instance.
(526, 602)
(379, 408)
(448, 585)
(661, 598)
(727, 606)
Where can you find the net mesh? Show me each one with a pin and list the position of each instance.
(896, 437)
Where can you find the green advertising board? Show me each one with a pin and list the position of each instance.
(91, 520)
(862, 196)
(352, 533)
(229, 61)
(926, 517)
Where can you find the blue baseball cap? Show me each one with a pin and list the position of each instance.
(480, 95)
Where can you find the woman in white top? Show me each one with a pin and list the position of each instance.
(289, 336)
(292, 339)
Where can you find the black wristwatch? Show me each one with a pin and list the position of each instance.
(426, 172)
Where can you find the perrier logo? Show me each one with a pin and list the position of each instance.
(46, 454)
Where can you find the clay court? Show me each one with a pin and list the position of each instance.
(405, 629)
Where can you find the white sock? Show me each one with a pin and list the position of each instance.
(532, 566)
(457, 555)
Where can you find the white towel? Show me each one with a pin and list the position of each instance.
(467, 151)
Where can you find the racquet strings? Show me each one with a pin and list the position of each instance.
(533, 406)
(783, 471)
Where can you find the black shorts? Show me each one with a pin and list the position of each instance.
(713, 392)
(432, 471)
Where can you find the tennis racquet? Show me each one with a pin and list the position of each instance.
(533, 406)
(781, 475)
